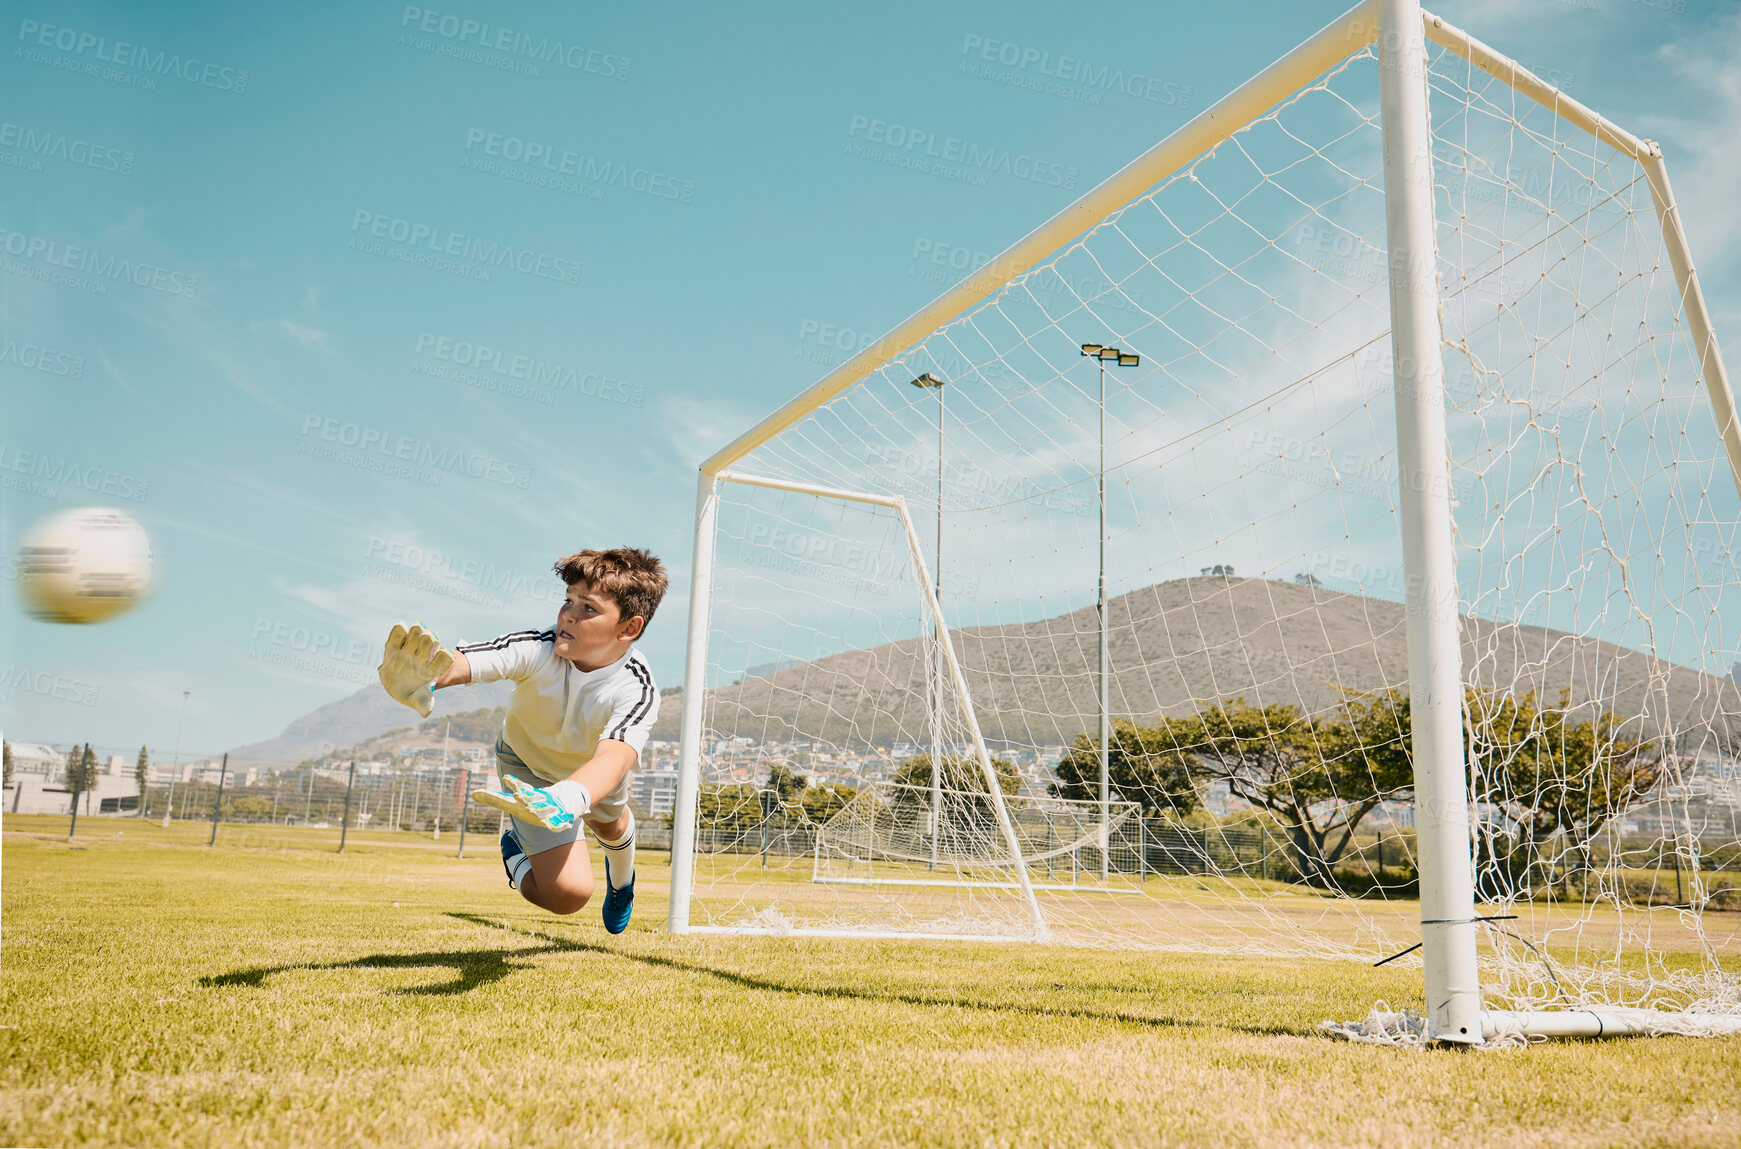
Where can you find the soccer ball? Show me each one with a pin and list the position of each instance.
(84, 565)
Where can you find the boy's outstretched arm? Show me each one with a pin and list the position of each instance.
(413, 662)
(606, 769)
(558, 805)
(459, 674)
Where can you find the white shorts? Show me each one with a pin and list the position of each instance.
(534, 837)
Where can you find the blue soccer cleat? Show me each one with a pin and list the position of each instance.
(619, 904)
(512, 852)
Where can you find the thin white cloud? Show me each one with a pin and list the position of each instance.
(1704, 146)
(115, 372)
(310, 337)
(696, 427)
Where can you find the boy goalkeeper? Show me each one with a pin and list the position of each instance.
(583, 705)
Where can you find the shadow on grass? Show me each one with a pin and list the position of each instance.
(482, 967)
(472, 968)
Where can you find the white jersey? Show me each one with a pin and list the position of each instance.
(559, 713)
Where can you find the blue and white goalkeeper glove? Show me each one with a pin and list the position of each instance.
(555, 807)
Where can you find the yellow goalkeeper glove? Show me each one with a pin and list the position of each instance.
(410, 664)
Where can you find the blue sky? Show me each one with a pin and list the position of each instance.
(332, 408)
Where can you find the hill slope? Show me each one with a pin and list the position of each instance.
(1175, 642)
(353, 719)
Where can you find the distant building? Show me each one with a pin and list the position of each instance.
(654, 790)
(35, 758)
(30, 793)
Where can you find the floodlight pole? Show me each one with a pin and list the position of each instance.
(934, 672)
(1101, 354)
(446, 732)
(169, 807)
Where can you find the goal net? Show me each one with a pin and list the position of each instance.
(905, 566)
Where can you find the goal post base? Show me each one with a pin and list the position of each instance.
(1611, 1022)
(962, 884)
(1502, 1029)
(864, 935)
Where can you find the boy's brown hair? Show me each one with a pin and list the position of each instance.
(628, 576)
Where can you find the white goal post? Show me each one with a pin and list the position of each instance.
(1452, 816)
(683, 845)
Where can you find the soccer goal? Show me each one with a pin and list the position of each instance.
(1319, 539)
(905, 835)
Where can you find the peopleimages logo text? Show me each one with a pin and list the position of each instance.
(74, 258)
(135, 56)
(1074, 71)
(562, 161)
(899, 138)
(441, 241)
(410, 450)
(540, 49)
(33, 357)
(59, 146)
(529, 369)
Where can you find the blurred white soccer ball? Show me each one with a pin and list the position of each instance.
(84, 565)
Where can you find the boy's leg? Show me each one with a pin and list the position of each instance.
(561, 878)
(613, 823)
(617, 840)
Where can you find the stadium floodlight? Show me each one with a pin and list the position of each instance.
(1103, 675)
(1428, 360)
(934, 682)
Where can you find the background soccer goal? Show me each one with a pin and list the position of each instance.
(1318, 539)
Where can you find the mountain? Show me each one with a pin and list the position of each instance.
(365, 714)
(1176, 642)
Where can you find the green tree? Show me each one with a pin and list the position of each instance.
(728, 808)
(821, 803)
(142, 775)
(80, 770)
(784, 783)
(248, 808)
(1548, 774)
(6, 756)
(966, 817)
(962, 774)
(1318, 777)
(1148, 765)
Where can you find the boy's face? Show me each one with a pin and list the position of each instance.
(589, 632)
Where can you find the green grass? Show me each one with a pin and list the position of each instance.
(271, 992)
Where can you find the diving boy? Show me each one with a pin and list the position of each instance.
(584, 703)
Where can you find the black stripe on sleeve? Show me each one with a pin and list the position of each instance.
(645, 704)
(507, 639)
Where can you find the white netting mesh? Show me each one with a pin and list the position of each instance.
(1256, 628)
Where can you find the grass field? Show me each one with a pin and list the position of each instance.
(272, 992)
